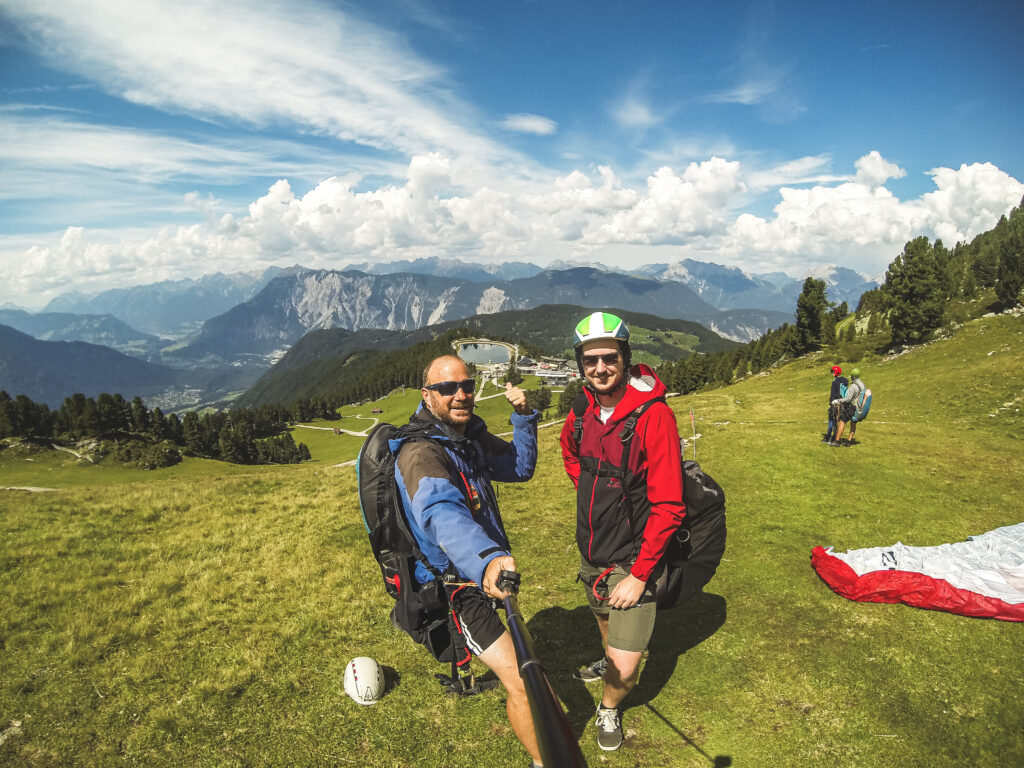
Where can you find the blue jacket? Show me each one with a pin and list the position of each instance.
(445, 486)
(837, 383)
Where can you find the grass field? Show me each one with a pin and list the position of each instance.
(203, 615)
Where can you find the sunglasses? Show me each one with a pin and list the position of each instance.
(447, 388)
(611, 359)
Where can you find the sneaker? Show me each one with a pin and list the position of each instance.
(609, 729)
(834, 444)
(593, 672)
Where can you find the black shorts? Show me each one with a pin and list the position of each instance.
(477, 618)
(847, 411)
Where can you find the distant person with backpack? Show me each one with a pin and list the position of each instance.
(847, 406)
(444, 478)
(629, 504)
(839, 385)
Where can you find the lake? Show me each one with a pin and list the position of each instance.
(484, 353)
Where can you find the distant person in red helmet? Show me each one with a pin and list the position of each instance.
(839, 384)
(848, 409)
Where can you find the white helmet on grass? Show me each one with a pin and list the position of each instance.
(364, 680)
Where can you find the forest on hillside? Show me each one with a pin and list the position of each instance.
(130, 433)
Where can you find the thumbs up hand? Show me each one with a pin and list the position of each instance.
(517, 398)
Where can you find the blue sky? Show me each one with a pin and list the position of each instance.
(151, 140)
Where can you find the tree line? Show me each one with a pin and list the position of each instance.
(132, 433)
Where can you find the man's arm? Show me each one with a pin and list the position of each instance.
(513, 462)
(660, 445)
(436, 506)
(852, 391)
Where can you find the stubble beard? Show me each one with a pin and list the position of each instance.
(458, 419)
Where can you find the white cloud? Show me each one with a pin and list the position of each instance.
(674, 215)
(968, 200)
(633, 112)
(803, 170)
(860, 224)
(675, 207)
(303, 63)
(527, 123)
(873, 170)
(748, 93)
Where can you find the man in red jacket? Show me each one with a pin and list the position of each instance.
(627, 508)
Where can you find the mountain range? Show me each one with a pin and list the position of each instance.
(171, 308)
(294, 304)
(177, 308)
(105, 330)
(223, 331)
(49, 371)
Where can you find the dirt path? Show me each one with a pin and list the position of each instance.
(364, 433)
(76, 454)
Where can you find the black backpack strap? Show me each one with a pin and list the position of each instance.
(580, 403)
(626, 436)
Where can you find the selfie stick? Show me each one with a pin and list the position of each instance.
(555, 738)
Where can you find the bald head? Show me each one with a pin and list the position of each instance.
(456, 409)
(445, 368)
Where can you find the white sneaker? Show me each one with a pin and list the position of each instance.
(609, 729)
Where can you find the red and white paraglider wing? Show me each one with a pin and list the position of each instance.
(983, 576)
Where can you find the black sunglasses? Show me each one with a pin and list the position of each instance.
(612, 358)
(447, 388)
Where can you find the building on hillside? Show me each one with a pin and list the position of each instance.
(552, 377)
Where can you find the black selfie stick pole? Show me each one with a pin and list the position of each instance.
(557, 742)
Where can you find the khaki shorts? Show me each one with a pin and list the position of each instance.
(628, 629)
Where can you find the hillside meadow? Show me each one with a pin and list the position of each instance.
(203, 615)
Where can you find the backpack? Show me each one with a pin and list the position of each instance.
(842, 389)
(420, 610)
(863, 405)
(696, 548)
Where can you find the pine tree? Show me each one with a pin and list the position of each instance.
(914, 293)
(812, 326)
(158, 425)
(1010, 277)
(8, 427)
(513, 374)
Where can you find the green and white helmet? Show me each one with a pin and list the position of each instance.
(600, 325)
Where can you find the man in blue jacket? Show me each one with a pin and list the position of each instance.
(445, 483)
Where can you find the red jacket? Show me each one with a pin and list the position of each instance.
(654, 480)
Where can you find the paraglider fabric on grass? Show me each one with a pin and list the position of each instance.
(982, 576)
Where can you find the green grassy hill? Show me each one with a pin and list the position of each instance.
(203, 615)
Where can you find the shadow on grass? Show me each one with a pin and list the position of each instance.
(566, 640)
